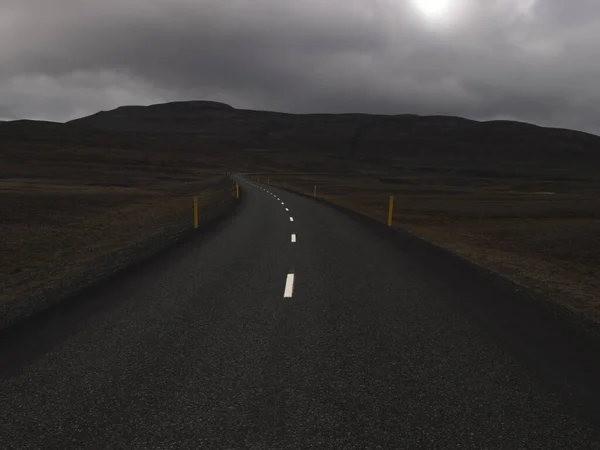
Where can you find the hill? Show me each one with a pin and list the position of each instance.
(355, 136)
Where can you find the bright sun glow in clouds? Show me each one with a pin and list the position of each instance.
(433, 9)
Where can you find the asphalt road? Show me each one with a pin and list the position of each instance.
(210, 346)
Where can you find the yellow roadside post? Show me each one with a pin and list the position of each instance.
(195, 212)
(390, 213)
(237, 190)
(315, 191)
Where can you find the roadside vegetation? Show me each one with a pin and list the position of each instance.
(78, 214)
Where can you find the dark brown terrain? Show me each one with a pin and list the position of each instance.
(77, 206)
(544, 236)
(519, 199)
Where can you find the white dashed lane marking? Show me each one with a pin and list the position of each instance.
(293, 238)
(291, 219)
(289, 286)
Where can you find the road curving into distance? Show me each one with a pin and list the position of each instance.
(290, 326)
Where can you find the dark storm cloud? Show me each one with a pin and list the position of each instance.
(524, 59)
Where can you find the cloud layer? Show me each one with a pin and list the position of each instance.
(531, 60)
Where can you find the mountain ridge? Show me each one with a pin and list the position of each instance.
(219, 106)
(385, 140)
(352, 135)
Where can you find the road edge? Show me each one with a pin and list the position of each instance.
(17, 326)
(559, 345)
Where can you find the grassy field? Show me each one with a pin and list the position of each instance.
(543, 235)
(67, 223)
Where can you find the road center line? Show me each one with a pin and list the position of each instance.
(293, 238)
(287, 209)
(291, 219)
(289, 286)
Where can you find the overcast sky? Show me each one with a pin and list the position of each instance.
(530, 60)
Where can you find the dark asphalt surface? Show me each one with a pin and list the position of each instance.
(200, 349)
